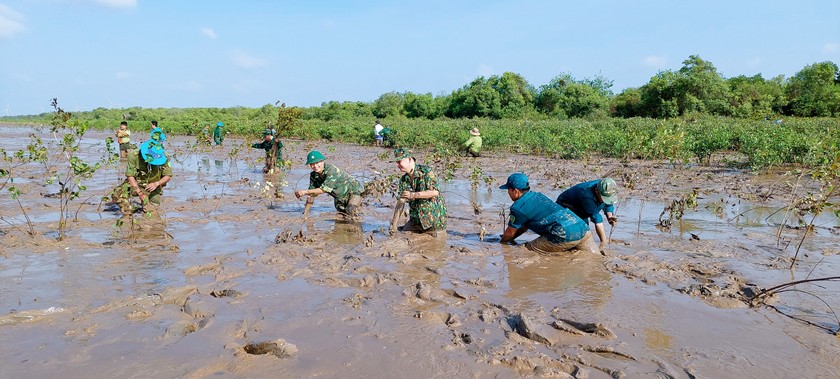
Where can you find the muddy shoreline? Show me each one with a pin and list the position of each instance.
(211, 288)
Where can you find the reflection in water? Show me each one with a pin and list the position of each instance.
(346, 233)
(579, 275)
(152, 252)
(422, 256)
(655, 339)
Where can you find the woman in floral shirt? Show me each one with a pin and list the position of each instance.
(419, 187)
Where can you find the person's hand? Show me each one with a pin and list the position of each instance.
(602, 248)
(612, 220)
(408, 195)
(151, 186)
(299, 193)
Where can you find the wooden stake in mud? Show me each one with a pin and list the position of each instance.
(398, 210)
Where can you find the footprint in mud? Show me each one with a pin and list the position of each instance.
(579, 328)
(449, 319)
(226, 293)
(182, 329)
(278, 348)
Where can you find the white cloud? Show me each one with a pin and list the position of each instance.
(245, 60)
(22, 77)
(11, 22)
(117, 3)
(247, 86)
(209, 33)
(654, 61)
(830, 48)
(188, 86)
(754, 63)
(485, 70)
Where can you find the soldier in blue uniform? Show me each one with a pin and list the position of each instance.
(589, 199)
(560, 229)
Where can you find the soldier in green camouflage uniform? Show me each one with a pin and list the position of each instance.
(420, 188)
(270, 143)
(147, 172)
(326, 178)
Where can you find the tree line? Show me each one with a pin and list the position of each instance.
(696, 89)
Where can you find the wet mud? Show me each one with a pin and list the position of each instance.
(229, 280)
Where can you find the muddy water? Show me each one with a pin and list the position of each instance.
(209, 288)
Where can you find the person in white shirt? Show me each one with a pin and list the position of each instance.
(377, 128)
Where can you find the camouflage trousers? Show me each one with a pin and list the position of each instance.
(121, 195)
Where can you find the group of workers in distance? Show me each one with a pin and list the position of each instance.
(562, 225)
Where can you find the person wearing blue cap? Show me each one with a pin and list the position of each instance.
(560, 229)
(147, 172)
(589, 199)
(219, 134)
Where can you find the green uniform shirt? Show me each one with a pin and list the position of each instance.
(473, 144)
(428, 213)
(337, 183)
(218, 135)
(267, 145)
(143, 172)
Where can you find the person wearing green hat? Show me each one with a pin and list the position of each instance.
(560, 229)
(419, 187)
(147, 172)
(273, 150)
(589, 199)
(219, 134)
(326, 178)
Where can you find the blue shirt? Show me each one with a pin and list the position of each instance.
(581, 200)
(538, 213)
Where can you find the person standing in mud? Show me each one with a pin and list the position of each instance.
(273, 150)
(473, 145)
(560, 229)
(147, 172)
(377, 130)
(326, 178)
(588, 200)
(419, 187)
(219, 134)
(123, 138)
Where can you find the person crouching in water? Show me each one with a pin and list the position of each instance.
(326, 178)
(147, 172)
(560, 229)
(473, 145)
(420, 188)
(588, 200)
(273, 150)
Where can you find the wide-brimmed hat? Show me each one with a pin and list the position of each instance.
(315, 156)
(401, 153)
(153, 153)
(607, 189)
(516, 180)
(475, 132)
(220, 123)
(157, 135)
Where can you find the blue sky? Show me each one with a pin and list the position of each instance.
(122, 53)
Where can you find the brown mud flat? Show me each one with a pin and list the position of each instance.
(230, 281)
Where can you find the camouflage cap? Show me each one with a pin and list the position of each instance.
(607, 189)
(401, 153)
